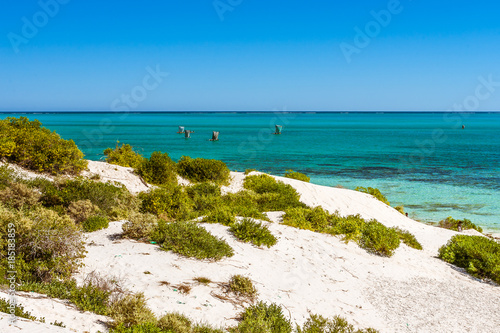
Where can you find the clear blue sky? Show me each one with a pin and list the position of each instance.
(248, 55)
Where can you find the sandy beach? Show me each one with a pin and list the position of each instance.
(306, 272)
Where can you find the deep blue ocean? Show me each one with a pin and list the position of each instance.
(424, 161)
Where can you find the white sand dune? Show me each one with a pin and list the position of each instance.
(306, 272)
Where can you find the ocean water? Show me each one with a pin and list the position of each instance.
(424, 161)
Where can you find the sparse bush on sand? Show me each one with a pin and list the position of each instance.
(203, 170)
(123, 155)
(379, 239)
(131, 310)
(205, 197)
(400, 209)
(34, 147)
(159, 169)
(272, 195)
(319, 324)
(18, 312)
(374, 192)
(408, 238)
(297, 175)
(249, 230)
(175, 322)
(244, 203)
(190, 240)
(480, 256)
(451, 223)
(263, 318)
(242, 286)
(247, 171)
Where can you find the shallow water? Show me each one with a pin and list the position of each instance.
(424, 161)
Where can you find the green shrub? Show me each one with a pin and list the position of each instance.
(175, 322)
(400, 209)
(379, 239)
(19, 196)
(297, 175)
(88, 297)
(81, 210)
(139, 226)
(170, 203)
(350, 227)
(95, 223)
(48, 246)
(242, 286)
(254, 232)
(7, 176)
(190, 240)
(32, 146)
(159, 169)
(203, 170)
(479, 255)
(131, 310)
(375, 192)
(319, 324)
(273, 195)
(18, 310)
(451, 223)
(247, 171)
(222, 215)
(408, 238)
(298, 218)
(262, 318)
(124, 156)
(244, 203)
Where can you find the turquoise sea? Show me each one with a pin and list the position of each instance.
(424, 161)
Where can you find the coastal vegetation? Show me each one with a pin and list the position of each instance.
(123, 155)
(451, 223)
(159, 169)
(34, 147)
(374, 192)
(249, 230)
(203, 170)
(297, 175)
(480, 256)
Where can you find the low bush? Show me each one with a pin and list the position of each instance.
(159, 169)
(95, 223)
(379, 239)
(480, 256)
(34, 147)
(319, 324)
(222, 215)
(19, 311)
(400, 209)
(451, 223)
(170, 203)
(7, 176)
(263, 318)
(131, 310)
(48, 246)
(123, 155)
(247, 171)
(244, 203)
(374, 192)
(205, 197)
(190, 240)
(88, 297)
(256, 233)
(149, 327)
(175, 322)
(139, 226)
(273, 195)
(350, 227)
(242, 286)
(408, 238)
(297, 175)
(19, 196)
(81, 210)
(203, 170)
(316, 219)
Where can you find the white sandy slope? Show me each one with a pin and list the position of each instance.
(305, 272)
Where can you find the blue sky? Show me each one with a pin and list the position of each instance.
(227, 55)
